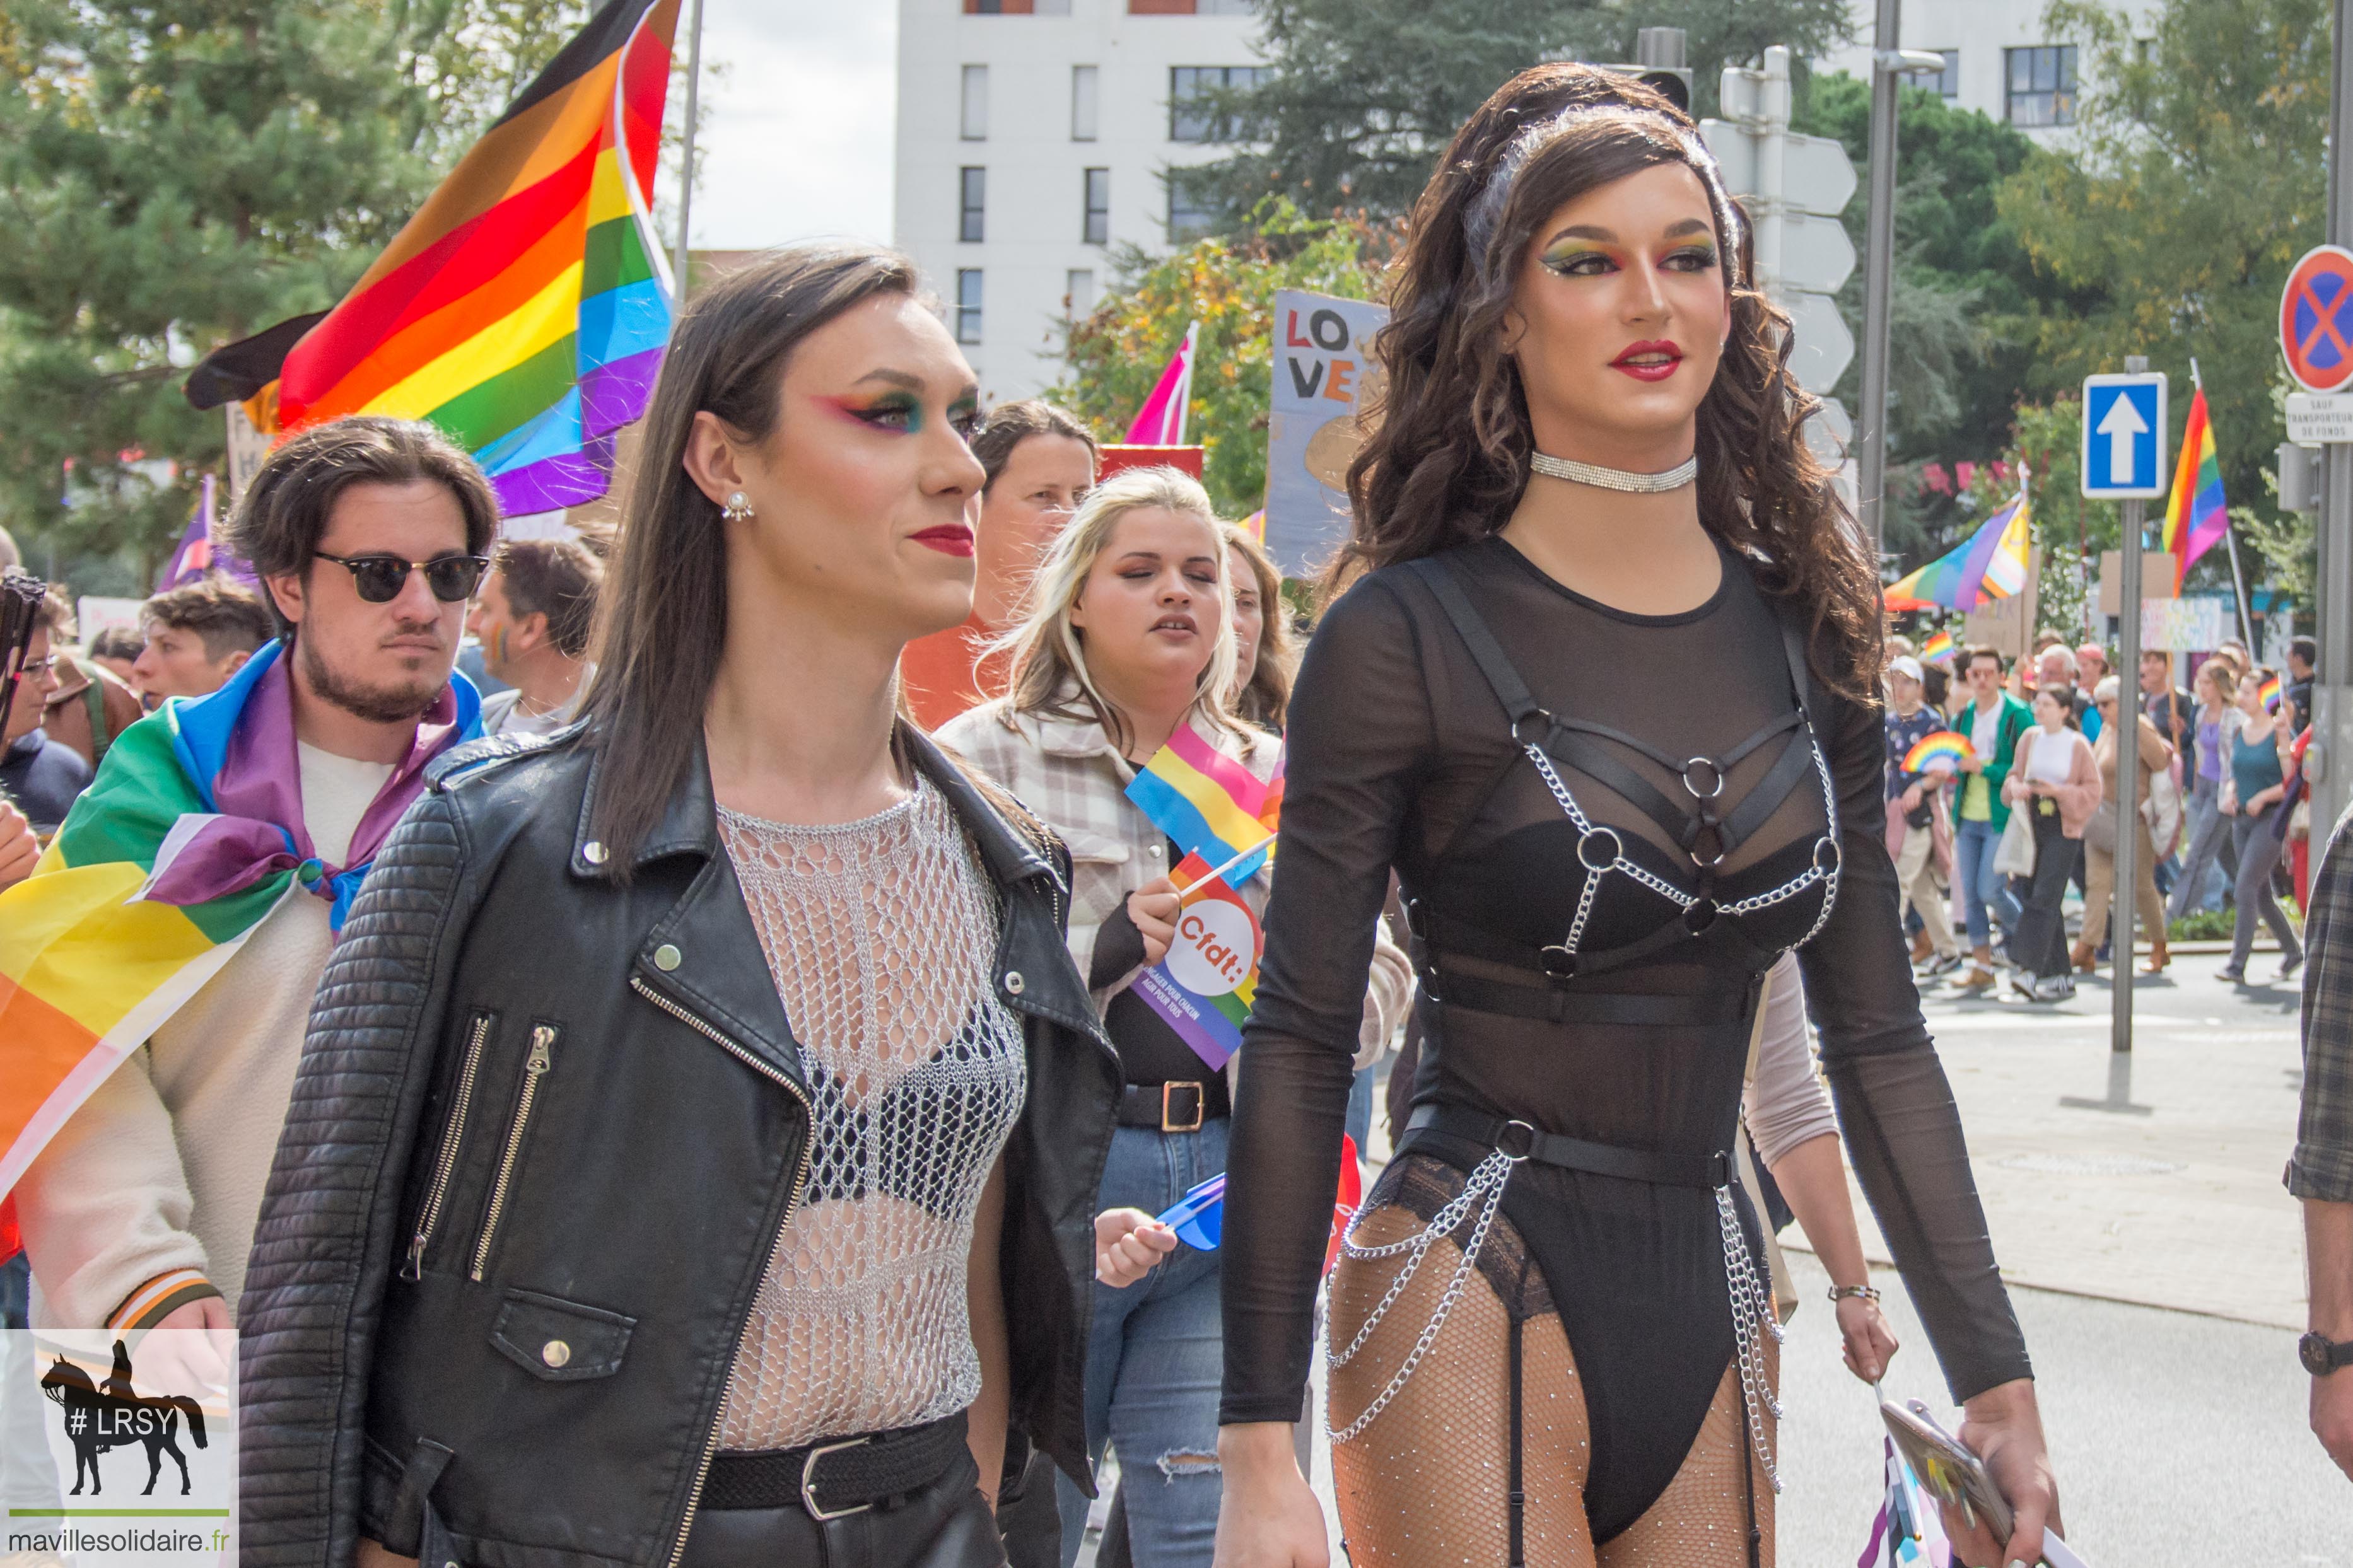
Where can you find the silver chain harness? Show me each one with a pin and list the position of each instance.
(1751, 1302)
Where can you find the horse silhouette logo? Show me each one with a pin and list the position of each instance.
(112, 1415)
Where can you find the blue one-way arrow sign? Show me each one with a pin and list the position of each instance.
(2124, 437)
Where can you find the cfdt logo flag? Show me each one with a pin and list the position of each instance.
(119, 1449)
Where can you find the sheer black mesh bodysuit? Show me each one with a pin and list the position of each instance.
(1402, 755)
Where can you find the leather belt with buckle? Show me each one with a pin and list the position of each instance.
(836, 1480)
(1175, 1106)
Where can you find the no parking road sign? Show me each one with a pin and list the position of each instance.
(2124, 437)
(2316, 319)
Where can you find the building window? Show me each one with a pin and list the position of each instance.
(972, 205)
(1098, 224)
(1191, 118)
(1191, 214)
(1948, 80)
(1082, 102)
(975, 103)
(968, 305)
(1017, 7)
(1079, 290)
(2039, 85)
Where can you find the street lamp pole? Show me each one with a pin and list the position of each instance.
(2331, 778)
(1889, 65)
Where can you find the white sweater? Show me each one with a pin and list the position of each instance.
(154, 1185)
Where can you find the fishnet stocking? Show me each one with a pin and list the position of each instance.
(878, 934)
(1426, 1482)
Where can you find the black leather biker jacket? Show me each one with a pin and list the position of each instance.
(545, 1133)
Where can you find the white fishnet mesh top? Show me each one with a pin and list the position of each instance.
(879, 934)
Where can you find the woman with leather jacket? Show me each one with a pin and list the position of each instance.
(693, 1156)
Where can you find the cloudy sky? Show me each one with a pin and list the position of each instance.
(797, 133)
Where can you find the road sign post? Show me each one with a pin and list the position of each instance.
(2124, 460)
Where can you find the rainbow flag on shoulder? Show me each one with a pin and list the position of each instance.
(166, 864)
(1210, 803)
(525, 307)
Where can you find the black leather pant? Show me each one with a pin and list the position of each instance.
(945, 1525)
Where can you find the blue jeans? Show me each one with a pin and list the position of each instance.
(1973, 846)
(1155, 1355)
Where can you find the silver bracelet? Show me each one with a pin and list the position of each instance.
(1860, 1292)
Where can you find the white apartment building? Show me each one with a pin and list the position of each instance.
(1998, 59)
(1033, 135)
(1031, 138)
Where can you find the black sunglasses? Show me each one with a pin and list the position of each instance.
(378, 578)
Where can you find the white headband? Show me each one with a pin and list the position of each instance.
(1480, 218)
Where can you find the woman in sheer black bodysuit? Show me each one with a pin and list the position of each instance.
(1621, 749)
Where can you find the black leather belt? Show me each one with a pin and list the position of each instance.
(834, 1480)
(1521, 1140)
(1552, 1003)
(1179, 1107)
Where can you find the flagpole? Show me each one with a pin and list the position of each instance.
(1185, 383)
(686, 163)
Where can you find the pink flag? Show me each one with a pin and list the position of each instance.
(1161, 421)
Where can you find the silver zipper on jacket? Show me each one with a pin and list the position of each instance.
(446, 1164)
(534, 1068)
(800, 1185)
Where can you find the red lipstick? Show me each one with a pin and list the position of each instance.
(1651, 361)
(948, 539)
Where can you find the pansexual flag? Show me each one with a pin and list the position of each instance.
(1991, 565)
(1210, 803)
(1207, 985)
(523, 310)
(2196, 517)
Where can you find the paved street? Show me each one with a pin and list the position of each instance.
(2157, 1265)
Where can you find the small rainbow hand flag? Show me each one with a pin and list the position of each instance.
(1937, 649)
(1206, 984)
(2270, 692)
(1942, 752)
(1210, 803)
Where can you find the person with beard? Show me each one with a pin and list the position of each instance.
(369, 536)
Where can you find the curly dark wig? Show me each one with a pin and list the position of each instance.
(1449, 457)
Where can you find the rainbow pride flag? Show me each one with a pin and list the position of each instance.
(1210, 803)
(2269, 693)
(2196, 516)
(155, 880)
(1941, 752)
(525, 307)
(1991, 565)
(1937, 649)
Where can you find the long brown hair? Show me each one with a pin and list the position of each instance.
(1451, 457)
(662, 621)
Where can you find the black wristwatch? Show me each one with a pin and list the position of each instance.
(2322, 1355)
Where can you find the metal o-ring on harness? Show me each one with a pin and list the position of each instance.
(1609, 861)
(1714, 767)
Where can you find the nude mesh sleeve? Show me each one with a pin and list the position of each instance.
(1786, 1104)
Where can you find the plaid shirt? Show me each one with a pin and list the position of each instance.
(2322, 1165)
(1068, 772)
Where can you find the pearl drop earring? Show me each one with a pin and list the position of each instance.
(738, 508)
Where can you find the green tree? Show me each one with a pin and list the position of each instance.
(181, 172)
(1227, 284)
(2195, 179)
(1363, 95)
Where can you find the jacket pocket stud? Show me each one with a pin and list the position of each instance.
(555, 1353)
(1013, 982)
(667, 957)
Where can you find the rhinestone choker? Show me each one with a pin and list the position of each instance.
(1675, 479)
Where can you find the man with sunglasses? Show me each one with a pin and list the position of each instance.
(369, 535)
(40, 775)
